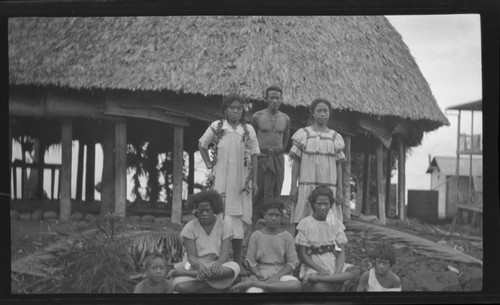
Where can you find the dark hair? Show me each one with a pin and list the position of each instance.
(384, 250)
(273, 88)
(318, 101)
(230, 98)
(274, 203)
(321, 190)
(149, 259)
(210, 196)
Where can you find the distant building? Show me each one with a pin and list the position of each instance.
(443, 180)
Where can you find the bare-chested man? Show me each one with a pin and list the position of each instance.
(273, 130)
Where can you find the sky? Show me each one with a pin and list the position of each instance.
(447, 49)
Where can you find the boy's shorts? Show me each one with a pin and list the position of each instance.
(235, 223)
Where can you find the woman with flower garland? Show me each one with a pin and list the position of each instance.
(233, 165)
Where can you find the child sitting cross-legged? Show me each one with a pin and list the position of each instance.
(155, 282)
(320, 238)
(207, 239)
(271, 255)
(380, 277)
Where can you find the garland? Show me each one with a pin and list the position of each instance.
(219, 133)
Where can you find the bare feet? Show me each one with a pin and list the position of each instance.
(244, 285)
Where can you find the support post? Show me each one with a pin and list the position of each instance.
(79, 171)
(388, 182)
(41, 162)
(108, 169)
(346, 177)
(65, 174)
(177, 174)
(366, 182)
(191, 173)
(457, 170)
(380, 184)
(120, 168)
(90, 173)
(401, 178)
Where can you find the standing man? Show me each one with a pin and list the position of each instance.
(273, 130)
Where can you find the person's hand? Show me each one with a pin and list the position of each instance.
(204, 272)
(215, 269)
(255, 188)
(294, 191)
(339, 198)
(209, 165)
(172, 273)
(260, 277)
(273, 278)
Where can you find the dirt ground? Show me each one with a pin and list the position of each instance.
(417, 271)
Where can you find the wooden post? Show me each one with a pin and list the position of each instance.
(401, 178)
(24, 174)
(346, 175)
(366, 182)
(120, 168)
(108, 169)
(41, 162)
(388, 182)
(79, 172)
(380, 184)
(177, 174)
(457, 170)
(65, 174)
(90, 173)
(191, 173)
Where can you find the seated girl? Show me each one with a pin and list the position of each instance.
(271, 255)
(320, 245)
(207, 240)
(380, 277)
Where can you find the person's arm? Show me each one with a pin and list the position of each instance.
(254, 122)
(363, 279)
(205, 156)
(295, 176)
(339, 197)
(340, 260)
(216, 267)
(251, 256)
(286, 133)
(190, 246)
(307, 260)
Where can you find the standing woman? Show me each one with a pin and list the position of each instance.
(233, 166)
(317, 153)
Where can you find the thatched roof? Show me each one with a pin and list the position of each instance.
(359, 63)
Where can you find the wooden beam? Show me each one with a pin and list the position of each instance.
(191, 173)
(366, 182)
(177, 174)
(401, 178)
(388, 182)
(65, 174)
(90, 173)
(380, 184)
(120, 168)
(346, 175)
(79, 171)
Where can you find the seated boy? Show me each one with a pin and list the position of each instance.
(155, 281)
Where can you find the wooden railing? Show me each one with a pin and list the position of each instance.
(53, 168)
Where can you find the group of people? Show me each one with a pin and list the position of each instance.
(246, 166)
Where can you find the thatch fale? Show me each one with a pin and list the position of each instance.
(359, 63)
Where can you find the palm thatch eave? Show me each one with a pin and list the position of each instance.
(359, 63)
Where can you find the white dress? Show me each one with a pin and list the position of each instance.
(230, 171)
(312, 233)
(318, 154)
(374, 285)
